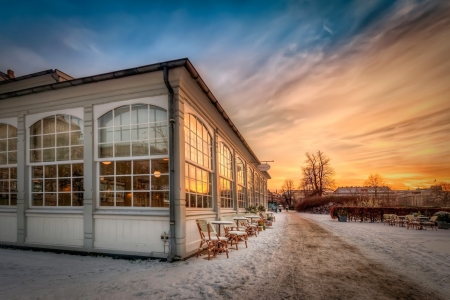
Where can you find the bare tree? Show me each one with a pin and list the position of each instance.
(376, 182)
(286, 189)
(317, 173)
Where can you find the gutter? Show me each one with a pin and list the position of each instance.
(171, 165)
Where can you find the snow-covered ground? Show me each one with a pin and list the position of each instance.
(421, 255)
(273, 264)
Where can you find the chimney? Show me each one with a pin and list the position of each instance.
(10, 73)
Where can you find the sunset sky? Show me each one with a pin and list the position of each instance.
(367, 82)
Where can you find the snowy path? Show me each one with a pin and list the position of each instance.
(297, 259)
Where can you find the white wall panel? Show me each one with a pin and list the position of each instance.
(129, 234)
(192, 236)
(51, 229)
(8, 227)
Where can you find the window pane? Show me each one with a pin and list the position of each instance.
(122, 134)
(4, 199)
(160, 199)
(158, 147)
(3, 131)
(105, 150)
(13, 199)
(123, 167)
(35, 142)
(125, 200)
(3, 158)
(35, 156)
(141, 183)
(76, 124)
(49, 154)
(3, 145)
(77, 153)
(160, 183)
(122, 149)
(77, 196)
(77, 170)
(161, 114)
(139, 113)
(35, 129)
(4, 173)
(50, 185)
(139, 132)
(106, 199)
(49, 124)
(76, 138)
(62, 139)
(107, 168)
(160, 165)
(62, 123)
(50, 199)
(141, 167)
(48, 140)
(123, 183)
(12, 157)
(64, 170)
(161, 131)
(62, 153)
(141, 199)
(106, 120)
(64, 199)
(139, 148)
(12, 144)
(38, 199)
(107, 184)
(64, 185)
(122, 116)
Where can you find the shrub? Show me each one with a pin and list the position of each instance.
(311, 202)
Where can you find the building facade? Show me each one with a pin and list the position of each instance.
(119, 163)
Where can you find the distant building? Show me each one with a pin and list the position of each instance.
(356, 191)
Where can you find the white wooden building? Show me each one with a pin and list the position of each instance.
(119, 163)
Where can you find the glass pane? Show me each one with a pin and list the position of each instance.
(62, 139)
(64, 170)
(105, 135)
(4, 173)
(49, 124)
(160, 165)
(13, 199)
(139, 132)
(38, 199)
(4, 199)
(141, 183)
(161, 132)
(107, 168)
(106, 183)
(35, 155)
(12, 131)
(106, 120)
(48, 140)
(158, 147)
(192, 201)
(141, 167)
(77, 170)
(50, 199)
(64, 185)
(4, 186)
(77, 153)
(105, 150)
(139, 148)
(122, 134)
(12, 157)
(161, 199)
(62, 153)
(186, 184)
(49, 154)
(122, 149)
(13, 173)
(160, 183)
(35, 142)
(35, 129)
(139, 113)
(123, 167)
(3, 145)
(77, 196)
(122, 116)
(37, 172)
(3, 158)
(123, 183)
(64, 199)
(76, 124)
(141, 199)
(76, 138)
(50, 185)
(13, 186)
(50, 172)
(3, 131)
(106, 199)
(62, 123)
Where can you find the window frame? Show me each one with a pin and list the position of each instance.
(13, 123)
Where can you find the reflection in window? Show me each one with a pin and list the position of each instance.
(57, 185)
(8, 163)
(226, 176)
(56, 138)
(250, 194)
(240, 168)
(197, 142)
(133, 130)
(134, 183)
(198, 187)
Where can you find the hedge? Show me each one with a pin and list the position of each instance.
(375, 214)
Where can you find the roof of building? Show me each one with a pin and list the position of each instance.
(184, 62)
(56, 72)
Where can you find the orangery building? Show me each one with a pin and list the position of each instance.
(119, 163)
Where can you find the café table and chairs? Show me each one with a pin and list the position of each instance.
(219, 223)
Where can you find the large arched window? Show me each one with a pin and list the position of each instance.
(197, 169)
(226, 176)
(250, 187)
(56, 159)
(133, 157)
(8, 164)
(240, 168)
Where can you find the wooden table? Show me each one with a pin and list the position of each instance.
(221, 223)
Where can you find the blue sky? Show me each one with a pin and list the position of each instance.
(352, 78)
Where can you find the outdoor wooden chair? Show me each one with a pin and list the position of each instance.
(207, 242)
(221, 241)
(412, 222)
(431, 223)
(235, 235)
(251, 229)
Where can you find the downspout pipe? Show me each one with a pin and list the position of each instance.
(171, 165)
